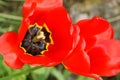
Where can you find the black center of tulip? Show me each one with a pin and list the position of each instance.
(36, 40)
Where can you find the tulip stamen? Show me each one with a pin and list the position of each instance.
(38, 37)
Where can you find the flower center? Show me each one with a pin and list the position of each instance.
(36, 40)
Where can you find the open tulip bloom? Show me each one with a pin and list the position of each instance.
(47, 37)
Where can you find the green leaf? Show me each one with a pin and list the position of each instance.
(1, 57)
(57, 74)
(8, 16)
(66, 74)
(16, 0)
(21, 77)
(84, 78)
(19, 73)
(41, 74)
(2, 19)
(3, 3)
(6, 68)
(118, 77)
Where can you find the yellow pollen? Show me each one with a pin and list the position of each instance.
(41, 35)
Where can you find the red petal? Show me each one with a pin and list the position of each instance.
(6, 41)
(23, 29)
(36, 60)
(40, 6)
(78, 61)
(12, 60)
(95, 30)
(59, 23)
(9, 50)
(105, 58)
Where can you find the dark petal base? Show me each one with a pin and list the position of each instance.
(37, 46)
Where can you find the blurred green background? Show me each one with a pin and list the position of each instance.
(10, 20)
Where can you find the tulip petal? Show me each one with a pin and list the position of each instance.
(23, 29)
(9, 51)
(36, 60)
(78, 61)
(95, 30)
(6, 41)
(105, 58)
(59, 23)
(12, 60)
(40, 5)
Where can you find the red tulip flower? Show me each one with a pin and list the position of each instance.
(99, 52)
(47, 37)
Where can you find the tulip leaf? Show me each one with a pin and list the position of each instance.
(41, 74)
(83, 78)
(12, 17)
(66, 74)
(3, 3)
(57, 74)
